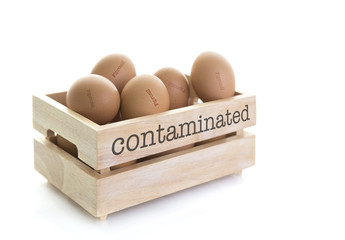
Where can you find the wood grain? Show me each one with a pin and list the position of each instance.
(101, 194)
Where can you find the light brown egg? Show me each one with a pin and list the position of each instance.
(212, 77)
(94, 97)
(177, 86)
(144, 95)
(118, 68)
(117, 118)
(67, 146)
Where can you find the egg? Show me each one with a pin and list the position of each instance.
(212, 77)
(67, 145)
(144, 95)
(117, 118)
(94, 97)
(177, 86)
(118, 68)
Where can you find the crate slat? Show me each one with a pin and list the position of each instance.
(101, 194)
(172, 119)
(112, 144)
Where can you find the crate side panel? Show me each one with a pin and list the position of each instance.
(148, 181)
(153, 134)
(51, 115)
(66, 173)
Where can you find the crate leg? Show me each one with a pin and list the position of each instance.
(102, 218)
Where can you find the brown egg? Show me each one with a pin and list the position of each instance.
(94, 97)
(177, 86)
(67, 146)
(144, 95)
(212, 77)
(117, 118)
(118, 68)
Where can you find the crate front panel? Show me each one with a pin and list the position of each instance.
(136, 138)
(116, 143)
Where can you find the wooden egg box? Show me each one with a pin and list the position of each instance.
(209, 137)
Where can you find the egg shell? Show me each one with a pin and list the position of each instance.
(117, 118)
(212, 77)
(94, 97)
(118, 68)
(177, 86)
(144, 95)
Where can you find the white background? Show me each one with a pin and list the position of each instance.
(291, 54)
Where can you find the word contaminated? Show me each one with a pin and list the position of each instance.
(173, 132)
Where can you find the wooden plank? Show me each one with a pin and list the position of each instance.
(158, 177)
(136, 138)
(71, 176)
(101, 194)
(113, 144)
(48, 114)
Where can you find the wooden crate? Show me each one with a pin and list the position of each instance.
(96, 179)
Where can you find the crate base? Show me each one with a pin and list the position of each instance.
(103, 193)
